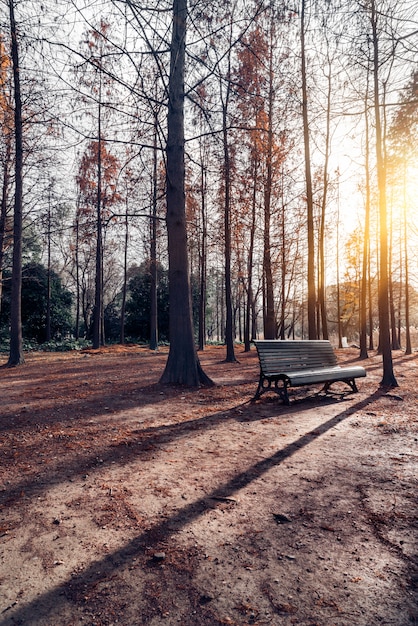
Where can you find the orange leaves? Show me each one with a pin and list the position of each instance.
(6, 111)
(251, 58)
(89, 176)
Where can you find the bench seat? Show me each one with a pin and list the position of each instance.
(288, 363)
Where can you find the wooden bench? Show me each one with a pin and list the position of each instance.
(298, 363)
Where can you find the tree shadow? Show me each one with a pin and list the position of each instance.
(143, 440)
(83, 409)
(42, 606)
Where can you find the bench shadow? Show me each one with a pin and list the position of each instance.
(306, 397)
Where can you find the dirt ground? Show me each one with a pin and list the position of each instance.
(126, 502)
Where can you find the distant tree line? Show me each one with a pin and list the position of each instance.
(44, 292)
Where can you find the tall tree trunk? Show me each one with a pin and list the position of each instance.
(366, 240)
(229, 323)
(394, 338)
(102, 306)
(269, 312)
(283, 272)
(239, 314)
(153, 340)
(98, 295)
(77, 274)
(48, 273)
(339, 321)
(85, 310)
(183, 366)
(4, 198)
(312, 331)
(321, 241)
(248, 334)
(16, 340)
(408, 343)
(125, 277)
(388, 378)
(203, 259)
(370, 299)
(399, 317)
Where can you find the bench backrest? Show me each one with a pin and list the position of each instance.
(289, 355)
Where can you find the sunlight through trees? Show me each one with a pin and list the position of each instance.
(261, 155)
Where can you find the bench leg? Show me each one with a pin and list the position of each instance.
(349, 381)
(264, 384)
(352, 384)
(282, 391)
(260, 390)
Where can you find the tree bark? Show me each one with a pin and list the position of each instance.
(312, 331)
(282, 333)
(16, 340)
(366, 241)
(248, 329)
(183, 366)
(125, 278)
(388, 378)
(203, 258)
(321, 242)
(4, 198)
(48, 280)
(394, 336)
(77, 272)
(229, 324)
(153, 340)
(269, 312)
(98, 295)
(408, 343)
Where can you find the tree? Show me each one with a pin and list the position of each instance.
(312, 332)
(402, 137)
(97, 79)
(96, 181)
(366, 239)
(128, 185)
(256, 82)
(197, 201)
(153, 337)
(323, 322)
(183, 365)
(262, 102)
(269, 313)
(6, 155)
(16, 343)
(388, 378)
(203, 250)
(225, 97)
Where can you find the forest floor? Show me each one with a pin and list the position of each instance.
(126, 502)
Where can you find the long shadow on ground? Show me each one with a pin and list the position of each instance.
(40, 608)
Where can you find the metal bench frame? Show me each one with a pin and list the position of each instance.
(288, 363)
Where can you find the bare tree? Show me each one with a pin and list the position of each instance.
(227, 174)
(388, 378)
(402, 138)
(16, 342)
(6, 154)
(183, 365)
(312, 331)
(366, 237)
